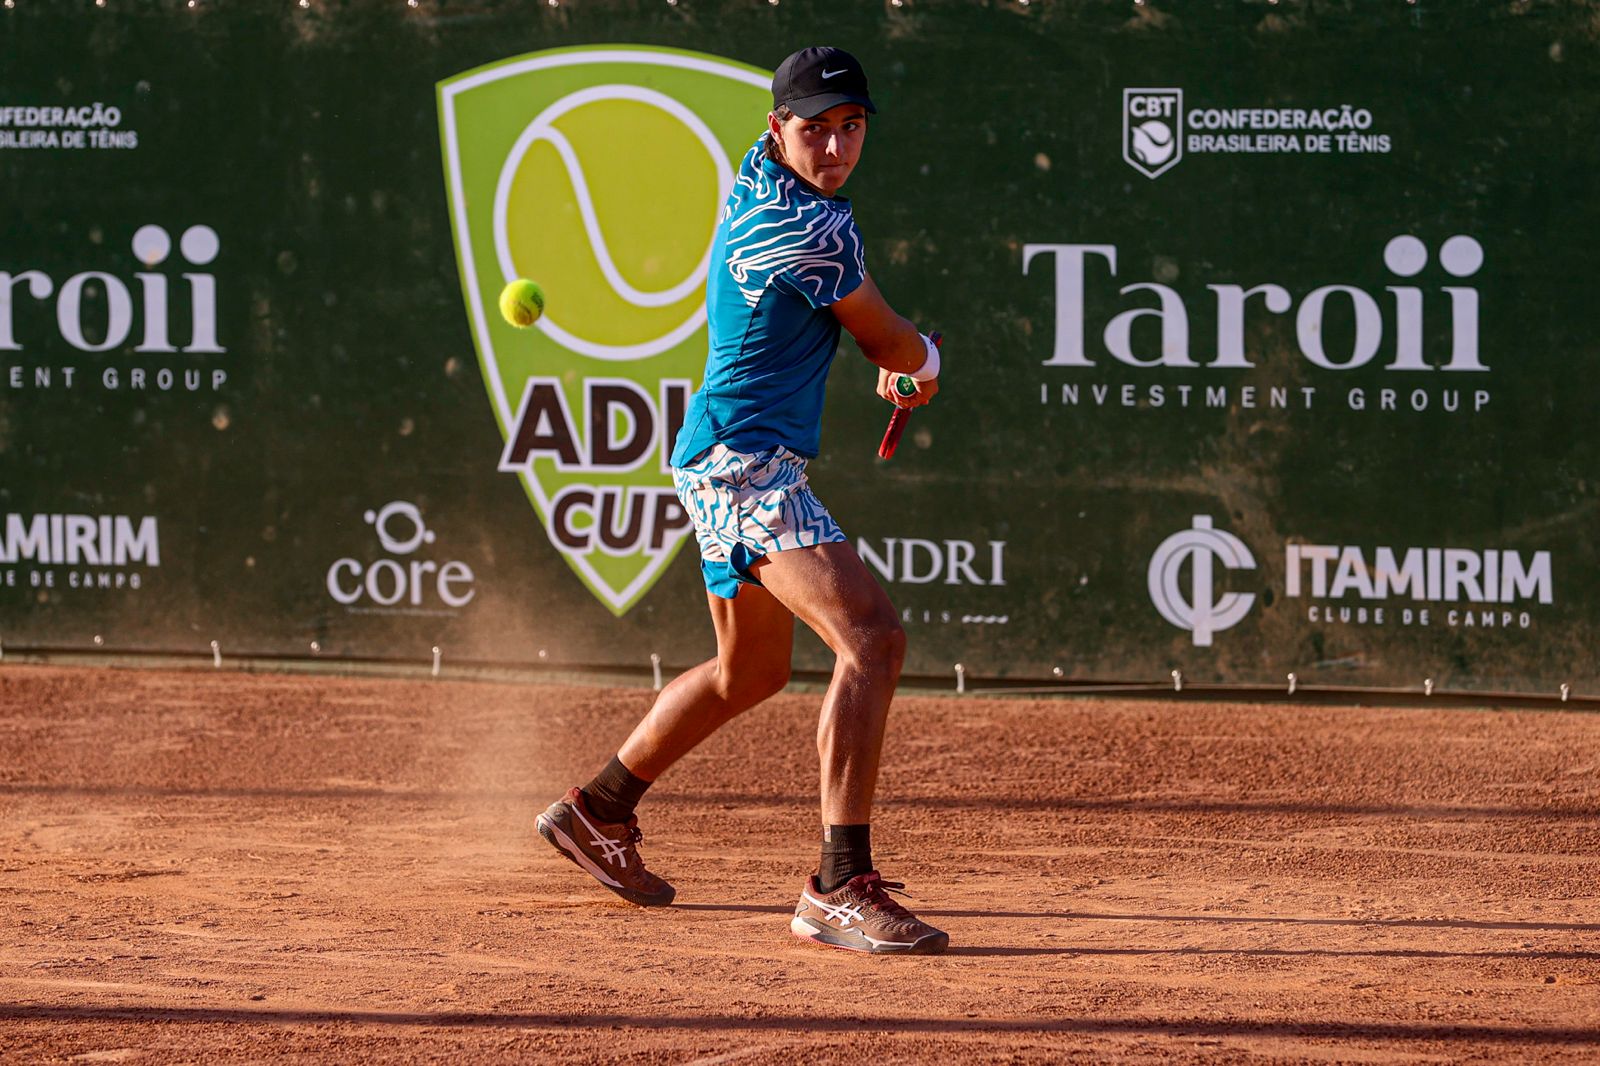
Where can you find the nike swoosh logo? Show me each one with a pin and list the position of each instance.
(830, 73)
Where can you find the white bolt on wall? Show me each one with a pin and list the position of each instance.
(961, 678)
(316, 647)
(436, 660)
(655, 671)
(1177, 680)
(216, 655)
(1292, 682)
(98, 640)
(1566, 690)
(1427, 686)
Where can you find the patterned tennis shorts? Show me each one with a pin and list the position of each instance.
(745, 507)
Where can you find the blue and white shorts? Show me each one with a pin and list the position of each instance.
(746, 506)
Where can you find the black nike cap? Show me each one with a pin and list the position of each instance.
(815, 79)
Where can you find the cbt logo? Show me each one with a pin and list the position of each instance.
(1152, 129)
(397, 587)
(1199, 609)
(598, 172)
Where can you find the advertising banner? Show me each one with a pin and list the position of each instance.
(1268, 333)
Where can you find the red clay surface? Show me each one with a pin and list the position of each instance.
(217, 866)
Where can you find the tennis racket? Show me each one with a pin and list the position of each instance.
(905, 386)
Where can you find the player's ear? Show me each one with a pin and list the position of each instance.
(775, 126)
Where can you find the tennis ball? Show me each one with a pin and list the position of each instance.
(521, 303)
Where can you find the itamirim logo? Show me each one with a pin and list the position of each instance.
(1201, 611)
(599, 172)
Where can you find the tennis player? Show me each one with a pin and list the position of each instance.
(787, 273)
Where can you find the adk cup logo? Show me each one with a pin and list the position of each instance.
(1152, 129)
(598, 172)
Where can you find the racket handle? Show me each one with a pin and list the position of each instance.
(891, 436)
(902, 415)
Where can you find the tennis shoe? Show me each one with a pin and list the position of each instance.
(861, 916)
(608, 853)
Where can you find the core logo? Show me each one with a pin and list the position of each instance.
(1201, 610)
(1152, 129)
(393, 586)
(544, 157)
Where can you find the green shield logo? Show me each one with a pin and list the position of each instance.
(598, 172)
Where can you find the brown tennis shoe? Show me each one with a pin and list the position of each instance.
(608, 853)
(861, 916)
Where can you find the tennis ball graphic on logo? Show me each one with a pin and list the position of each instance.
(621, 238)
(1153, 142)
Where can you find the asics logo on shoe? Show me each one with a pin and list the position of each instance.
(613, 851)
(843, 913)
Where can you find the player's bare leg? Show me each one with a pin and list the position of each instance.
(847, 904)
(830, 590)
(594, 826)
(755, 634)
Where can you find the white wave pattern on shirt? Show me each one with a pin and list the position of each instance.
(773, 231)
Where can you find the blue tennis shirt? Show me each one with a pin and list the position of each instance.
(781, 255)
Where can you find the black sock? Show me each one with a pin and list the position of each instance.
(614, 792)
(846, 852)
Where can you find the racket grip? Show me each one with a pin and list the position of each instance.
(902, 415)
(891, 436)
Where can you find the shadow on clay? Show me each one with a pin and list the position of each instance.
(1374, 953)
(1211, 919)
(821, 1022)
(1108, 804)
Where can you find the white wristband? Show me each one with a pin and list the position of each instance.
(930, 368)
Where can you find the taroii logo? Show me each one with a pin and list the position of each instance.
(1405, 256)
(1201, 610)
(411, 587)
(1152, 129)
(198, 246)
(600, 173)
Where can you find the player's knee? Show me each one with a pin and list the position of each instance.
(743, 685)
(878, 646)
(894, 643)
(769, 680)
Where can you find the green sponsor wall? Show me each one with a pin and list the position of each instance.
(289, 161)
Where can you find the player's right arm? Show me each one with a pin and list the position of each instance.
(888, 341)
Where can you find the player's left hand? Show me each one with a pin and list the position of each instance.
(926, 390)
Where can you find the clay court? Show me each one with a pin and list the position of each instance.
(227, 866)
